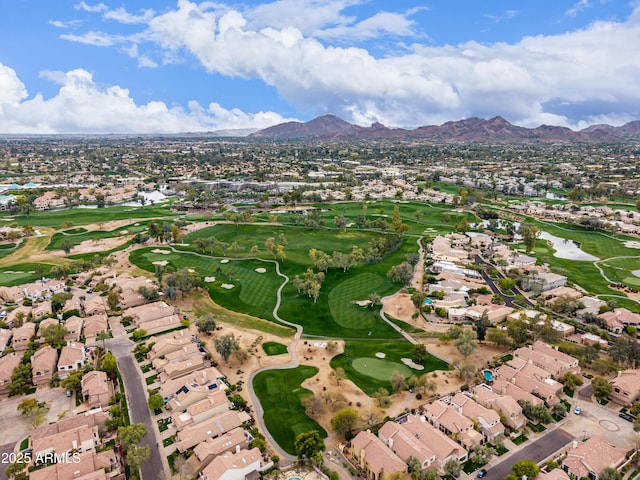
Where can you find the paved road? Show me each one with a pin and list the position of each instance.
(586, 392)
(4, 449)
(140, 413)
(539, 450)
(135, 388)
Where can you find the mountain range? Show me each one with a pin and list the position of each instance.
(472, 130)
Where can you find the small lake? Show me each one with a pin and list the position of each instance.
(565, 248)
(554, 196)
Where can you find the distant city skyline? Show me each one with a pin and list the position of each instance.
(179, 66)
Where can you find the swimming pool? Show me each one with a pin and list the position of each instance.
(488, 375)
(427, 301)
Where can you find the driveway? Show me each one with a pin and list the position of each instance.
(537, 451)
(4, 449)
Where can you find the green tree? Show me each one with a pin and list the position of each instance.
(54, 335)
(398, 227)
(344, 421)
(529, 234)
(156, 402)
(73, 381)
(137, 456)
(610, 473)
(481, 454)
(131, 434)
(33, 411)
(466, 343)
(418, 298)
(452, 467)
(308, 444)
(66, 246)
(401, 273)
(226, 345)
(397, 381)
(102, 336)
(571, 380)
(113, 300)
(20, 379)
(525, 467)
(601, 388)
(206, 323)
(109, 366)
(419, 353)
(482, 325)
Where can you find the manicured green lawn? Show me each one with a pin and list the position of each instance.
(374, 375)
(252, 293)
(379, 368)
(280, 395)
(274, 348)
(86, 216)
(22, 273)
(343, 296)
(6, 249)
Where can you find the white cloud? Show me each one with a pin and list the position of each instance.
(97, 39)
(100, 7)
(522, 81)
(67, 24)
(383, 23)
(82, 106)
(578, 7)
(122, 16)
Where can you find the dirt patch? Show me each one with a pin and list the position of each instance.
(626, 291)
(100, 245)
(400, 306)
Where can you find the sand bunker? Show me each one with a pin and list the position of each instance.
(224, 260)
(380, 354)
(191, 270)
(228, 286)
(209, 279)
(163, 252)
(162, 263)
(363, 303)
(410, 363)
(261, 270)
(632, 244)
(320, 344)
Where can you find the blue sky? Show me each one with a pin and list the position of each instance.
(173, 66)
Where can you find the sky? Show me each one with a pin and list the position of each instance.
(160, 66)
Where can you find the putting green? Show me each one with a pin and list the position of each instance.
(378, 368)
(633, 281)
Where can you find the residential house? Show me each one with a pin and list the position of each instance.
(588, 459)
(160, 325)
(376, 460)
(43, 365)
(89, 466)
(207, 378)
(180, 368)
(44, 324)
(17, 316)
(505, 405)
(8, 363)
(619, 318)
(555, 474)
(95, 324)
(545, 281)
(214, 404)
(549, 358)
(419, 439)
(214, 427)
(488, 420)
(233, 440)
(78, 439)
(11, 294)
(626, 387)
(449, 421)
(72, 358)
(495, 313)
(150, 311)
(5, 338)
(22, 336)
(41, 310)
(73, 325)
(233, 466)
(187, 351)
(93, 418)
(96, 389)
(94, 306)
(170, 342)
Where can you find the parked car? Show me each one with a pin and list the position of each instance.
(69, 393)
(577, 410)
(626, 416)
(482, 473)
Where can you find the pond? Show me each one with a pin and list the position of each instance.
(568, 249)
(554, 196)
